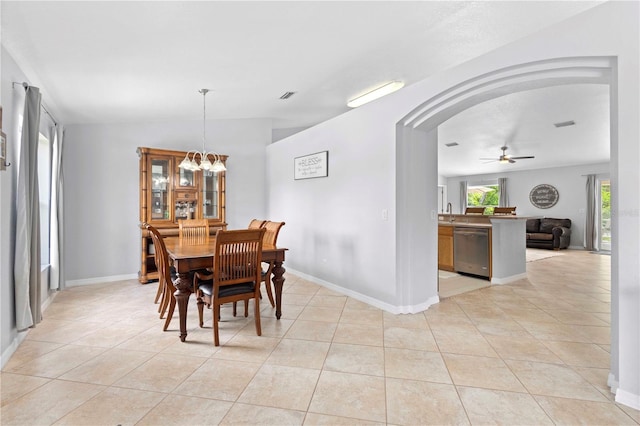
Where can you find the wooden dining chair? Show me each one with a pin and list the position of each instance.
(160, 290)
(272, 229)
(504, 210)
(165, 277)
(236, 275)
(474, 210)
(256, 224)
(193, 229)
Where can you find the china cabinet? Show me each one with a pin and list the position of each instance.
(169, 193)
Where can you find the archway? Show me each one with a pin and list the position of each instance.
(416, 166)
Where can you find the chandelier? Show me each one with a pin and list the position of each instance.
(205, 163)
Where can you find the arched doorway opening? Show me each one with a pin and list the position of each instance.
(416, 161)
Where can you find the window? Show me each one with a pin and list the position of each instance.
(44, 189)
(605, 215)
(483, 195)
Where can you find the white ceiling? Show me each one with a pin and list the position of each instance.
(524, 122)
(111, 62)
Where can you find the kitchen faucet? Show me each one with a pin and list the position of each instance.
(450, 211)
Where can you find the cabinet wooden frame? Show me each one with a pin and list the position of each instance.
(445, 248)
(167, 222)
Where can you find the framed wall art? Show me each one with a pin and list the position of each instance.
(544, 196)
(311, 166)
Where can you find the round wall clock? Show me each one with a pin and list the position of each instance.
(544, 196)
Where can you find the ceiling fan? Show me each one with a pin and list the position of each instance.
(504, 158)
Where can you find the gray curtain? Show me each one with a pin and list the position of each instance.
(27, 244)
(591, 223)
(463, 196)
(502, 193)
(56, 275)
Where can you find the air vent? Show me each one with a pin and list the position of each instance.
(287, 95)
(565, 123)
(450, 144)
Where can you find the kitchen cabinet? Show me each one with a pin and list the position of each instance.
(169, 193)
(445, 247)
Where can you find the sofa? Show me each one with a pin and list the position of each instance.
(548, 233)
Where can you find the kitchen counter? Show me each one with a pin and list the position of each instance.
(474, 218)
(507, 242)
(464, 224)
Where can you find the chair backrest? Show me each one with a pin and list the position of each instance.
(161, 257)
(237, 257)
(256, 224)
(193, 229)
(271, 233)
(474, 210)
(504, 210)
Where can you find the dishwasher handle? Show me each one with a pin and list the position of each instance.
(470, 232)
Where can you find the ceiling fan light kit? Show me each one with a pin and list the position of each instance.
(507, 159)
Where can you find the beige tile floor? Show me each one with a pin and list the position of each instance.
(452, 284)
(533, 352)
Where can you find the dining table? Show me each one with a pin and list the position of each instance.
(188, 256)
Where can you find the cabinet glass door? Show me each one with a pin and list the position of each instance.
(160, 189)
(210, 207)
(186, 178)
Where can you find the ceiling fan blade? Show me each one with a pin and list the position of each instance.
(511, 160)
(523, 158)
(492, 158)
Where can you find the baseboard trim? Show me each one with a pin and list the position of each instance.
(21, 335)
(392, 309)
(49, 300)
(100, 280)
(11, 349)
(510, 279)
(612, 383)
(627, 398)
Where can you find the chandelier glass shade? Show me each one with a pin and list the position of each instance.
(205, 161)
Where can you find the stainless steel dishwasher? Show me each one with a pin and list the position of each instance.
(471, 250)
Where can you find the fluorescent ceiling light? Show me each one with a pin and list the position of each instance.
(375, 93)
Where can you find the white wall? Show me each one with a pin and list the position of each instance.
(569, 181)
(101, 192)
(278, 134)
(334, 225)
(329, 215)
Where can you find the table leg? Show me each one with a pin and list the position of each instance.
(278, 280)
(183, 291)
